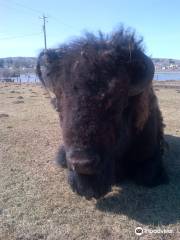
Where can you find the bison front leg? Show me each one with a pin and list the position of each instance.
(146, 153)
(150, 172)
(61, 157)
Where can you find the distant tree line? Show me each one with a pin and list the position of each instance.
(166, 61)
(15, 66)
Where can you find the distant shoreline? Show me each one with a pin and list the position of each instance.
(169, 75)
(167, 72)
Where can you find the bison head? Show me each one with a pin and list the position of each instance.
(93, 79)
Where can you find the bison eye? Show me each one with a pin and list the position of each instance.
(75, 88)
(100, 96)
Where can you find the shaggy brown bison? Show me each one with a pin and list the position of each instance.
(109, 115)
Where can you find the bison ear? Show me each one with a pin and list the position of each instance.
(141, 71)
(48, 68)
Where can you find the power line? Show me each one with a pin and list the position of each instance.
(15, 3)
(20, 12)
(25, 7)
(23, 36)
(39, 12)
(62, 22)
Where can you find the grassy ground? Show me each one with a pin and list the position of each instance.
(35, 199)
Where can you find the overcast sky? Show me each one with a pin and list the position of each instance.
(158, 21)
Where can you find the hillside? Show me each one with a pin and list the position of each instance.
(18, 62)
(13, 67)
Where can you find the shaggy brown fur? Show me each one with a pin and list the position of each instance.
(111, 122)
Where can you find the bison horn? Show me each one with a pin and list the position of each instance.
(142, 72)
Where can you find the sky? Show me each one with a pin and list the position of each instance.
(157, 21)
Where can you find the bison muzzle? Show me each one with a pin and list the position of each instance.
(111, 123)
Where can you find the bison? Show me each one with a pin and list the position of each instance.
(111, 122)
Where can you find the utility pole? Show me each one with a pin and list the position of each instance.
(44, 31)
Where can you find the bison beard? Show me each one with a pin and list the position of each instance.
(111, 123)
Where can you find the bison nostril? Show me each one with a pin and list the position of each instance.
(82, 166)
(83, 161)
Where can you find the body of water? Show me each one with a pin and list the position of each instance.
(157, 76)
(160, 76)
(167, 76)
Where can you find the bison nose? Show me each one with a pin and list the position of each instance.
(83, 161)
(82, 166)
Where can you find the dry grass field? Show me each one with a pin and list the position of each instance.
(35, 199)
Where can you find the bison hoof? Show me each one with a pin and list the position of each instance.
(61, 157)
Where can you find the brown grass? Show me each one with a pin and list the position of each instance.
(20, 97)
(18, 102)
(2, 115)
(35, 199)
